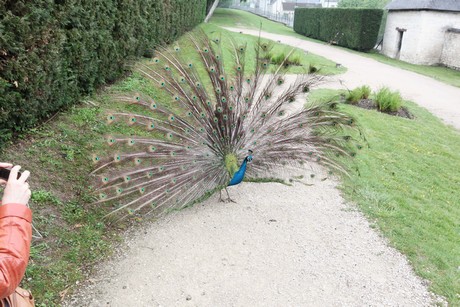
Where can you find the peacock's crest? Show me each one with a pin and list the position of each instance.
(195, 141)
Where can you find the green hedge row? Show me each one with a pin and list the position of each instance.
(54, 51)
(352, 28)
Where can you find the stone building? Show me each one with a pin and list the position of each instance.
(423, 32)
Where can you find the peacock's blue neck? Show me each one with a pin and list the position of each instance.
(239, 175)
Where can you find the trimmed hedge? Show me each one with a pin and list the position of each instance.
(54, 51)
(352, 28)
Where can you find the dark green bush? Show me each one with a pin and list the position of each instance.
(54, 51)
(352, 28)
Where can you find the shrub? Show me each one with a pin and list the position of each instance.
(292, 60)
(357, 94)
(352, 28)
(365, 91)
(388, 101)
(354, 96)
(53, 52)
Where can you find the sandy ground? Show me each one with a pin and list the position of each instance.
(439, 98)
(277, 246)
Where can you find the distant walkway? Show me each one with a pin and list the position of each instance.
(439, 98)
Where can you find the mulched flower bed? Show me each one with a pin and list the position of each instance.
(370, 104)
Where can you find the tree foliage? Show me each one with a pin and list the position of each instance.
(371, 4)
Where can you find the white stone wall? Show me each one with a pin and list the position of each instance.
(329, 3)
(451, 52)
(423, 42)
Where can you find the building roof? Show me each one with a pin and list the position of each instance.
(435, 5)
(290, 6)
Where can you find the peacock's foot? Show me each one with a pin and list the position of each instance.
(229, 200)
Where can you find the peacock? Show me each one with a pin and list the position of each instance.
(219, 124)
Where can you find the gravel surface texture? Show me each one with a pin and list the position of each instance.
(278, 245)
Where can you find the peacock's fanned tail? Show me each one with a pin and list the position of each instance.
(182, 154)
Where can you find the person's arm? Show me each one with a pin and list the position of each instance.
(15, 231)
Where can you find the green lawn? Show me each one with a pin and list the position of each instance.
(408, 184)
(327, 67)
(236, 18)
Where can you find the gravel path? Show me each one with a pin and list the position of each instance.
(439, 98)
(277, 246)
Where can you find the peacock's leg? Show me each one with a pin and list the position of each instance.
(220, 196)
(228, 195)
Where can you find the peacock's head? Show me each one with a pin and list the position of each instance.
(249, 157)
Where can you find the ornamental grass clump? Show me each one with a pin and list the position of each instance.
(281, 57)
(388, 101)
(354, 96)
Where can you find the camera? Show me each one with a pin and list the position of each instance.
(5, 173)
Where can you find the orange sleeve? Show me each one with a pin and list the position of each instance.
(15, 238)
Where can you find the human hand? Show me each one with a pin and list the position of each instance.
(17, 189)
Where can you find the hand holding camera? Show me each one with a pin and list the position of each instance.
(17, 188)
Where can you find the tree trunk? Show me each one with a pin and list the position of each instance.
(211, 11)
